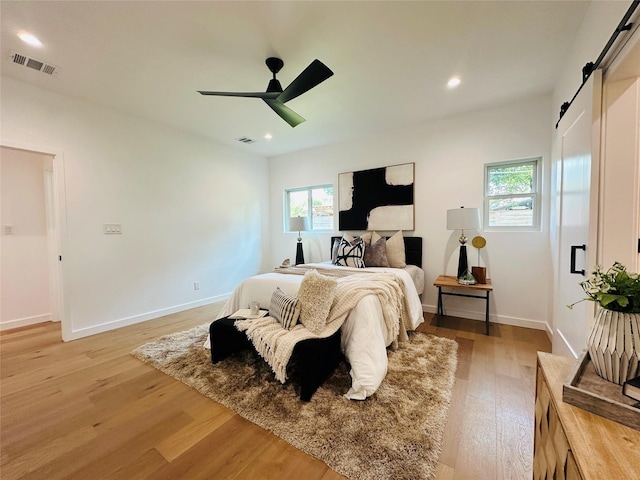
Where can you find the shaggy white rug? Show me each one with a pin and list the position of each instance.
(395, 434)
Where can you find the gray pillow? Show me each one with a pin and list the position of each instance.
(375, 255)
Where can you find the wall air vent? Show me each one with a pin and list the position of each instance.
(38, 65)
(246, 140)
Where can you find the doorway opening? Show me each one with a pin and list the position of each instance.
(31, 279)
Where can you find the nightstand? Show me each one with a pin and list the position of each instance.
(447, 281)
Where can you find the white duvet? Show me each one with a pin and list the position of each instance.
(364, 341)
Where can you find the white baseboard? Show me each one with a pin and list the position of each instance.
(502, 319)
(23, 322)
(125, 322)
(561, 346)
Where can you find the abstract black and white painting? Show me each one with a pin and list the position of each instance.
(377, 199)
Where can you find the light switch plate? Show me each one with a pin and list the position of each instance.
(112, 228)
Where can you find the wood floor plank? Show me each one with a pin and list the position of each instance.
(88, 409)
(477, 452)
(454, 433)
(142, 467)
(202, 425)
(514, 421)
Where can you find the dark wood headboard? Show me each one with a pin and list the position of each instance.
(412, 249)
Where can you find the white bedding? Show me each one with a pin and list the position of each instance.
(363, 334)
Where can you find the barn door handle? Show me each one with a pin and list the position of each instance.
(573, 258)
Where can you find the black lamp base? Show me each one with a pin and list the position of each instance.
(300, 254)
(463, 264)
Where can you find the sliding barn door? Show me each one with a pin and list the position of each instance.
(578, 138)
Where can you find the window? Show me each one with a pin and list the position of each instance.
(512, 195)
(315, 202)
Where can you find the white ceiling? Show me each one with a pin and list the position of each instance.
(391, 60)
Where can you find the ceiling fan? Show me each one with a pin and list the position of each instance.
(316, 73)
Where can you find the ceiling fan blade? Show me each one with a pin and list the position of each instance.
(288, 115)
(263, 95)
(316, 73)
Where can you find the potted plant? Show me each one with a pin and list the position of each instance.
(614, 341)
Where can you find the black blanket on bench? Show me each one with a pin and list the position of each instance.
(316, 358)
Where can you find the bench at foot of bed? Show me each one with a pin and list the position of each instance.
(316, 358)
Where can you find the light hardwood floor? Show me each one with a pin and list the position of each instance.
(88, 410)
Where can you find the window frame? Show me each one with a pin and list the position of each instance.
(287, 207)
(535, 194)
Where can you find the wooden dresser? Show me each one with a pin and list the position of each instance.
(571, 443)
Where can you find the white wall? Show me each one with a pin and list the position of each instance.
(190, 210)
(449, 158)
(24, 270)
(599, 23)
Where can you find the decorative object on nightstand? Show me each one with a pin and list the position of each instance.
(478, 272)
(463, 219)
(614, 341)
(299, 224)
(285, 263)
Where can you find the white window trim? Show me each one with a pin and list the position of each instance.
(536, 194)
(287, 214)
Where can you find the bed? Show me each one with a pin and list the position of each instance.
(364, 335)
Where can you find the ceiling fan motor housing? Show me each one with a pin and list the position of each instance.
(274, 64)
(274, 86)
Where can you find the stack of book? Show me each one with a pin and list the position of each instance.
(631, 388)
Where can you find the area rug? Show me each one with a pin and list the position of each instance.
(394, 434)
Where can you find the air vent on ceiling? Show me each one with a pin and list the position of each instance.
(246, 140)
(30, 62)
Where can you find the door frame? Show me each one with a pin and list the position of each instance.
(59, 297)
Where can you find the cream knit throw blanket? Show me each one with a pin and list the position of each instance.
(275, 344)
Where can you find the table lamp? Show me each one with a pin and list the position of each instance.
(299, 224)
(463, 219)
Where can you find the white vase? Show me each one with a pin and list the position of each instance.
(614, 345)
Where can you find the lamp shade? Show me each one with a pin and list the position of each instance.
(298, 224)
(463, 219)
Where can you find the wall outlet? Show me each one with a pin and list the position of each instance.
(7, 229)
(196, 285)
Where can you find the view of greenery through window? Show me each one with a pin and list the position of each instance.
(510, 194)
(313, 202)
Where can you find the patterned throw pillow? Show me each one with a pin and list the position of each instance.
(334, 250)
(316, 294)
(375, 255)
(284, 308)
(350, 253)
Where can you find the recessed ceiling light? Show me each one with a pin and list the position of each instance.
(30, 39)
(268, 136)
(453, 82)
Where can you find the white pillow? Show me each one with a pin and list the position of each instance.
(316, 294)
(395, 250)
(366, 237)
